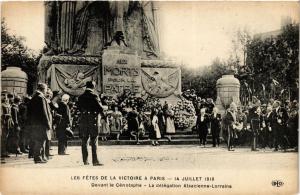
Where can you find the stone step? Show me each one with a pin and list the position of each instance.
(189, 141)
(176, 136)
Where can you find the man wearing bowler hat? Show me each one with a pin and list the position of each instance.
(90, 107)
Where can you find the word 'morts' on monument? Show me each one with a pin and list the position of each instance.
(121, 71)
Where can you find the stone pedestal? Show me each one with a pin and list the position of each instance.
(117, 70)
(69, 73)
(162, 82)
(14, 80)
(121, 71)
(228, 91)
(71, 78)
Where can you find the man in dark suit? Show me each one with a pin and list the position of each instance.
(266, 124)
(279, 125)
(256, 126)
(40, 121)
(90, 107)
(215, 123)
(202, 126)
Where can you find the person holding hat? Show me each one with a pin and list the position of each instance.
(90, 107)
(64, 124)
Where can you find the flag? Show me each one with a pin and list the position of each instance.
(264, 90)
(275, 82)
(249, 90)
(263, 86)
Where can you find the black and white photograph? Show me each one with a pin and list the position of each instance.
(149, 97)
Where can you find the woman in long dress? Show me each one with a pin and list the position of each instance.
(169, 119)
(104, 130)
(155, 133)
(116, 122)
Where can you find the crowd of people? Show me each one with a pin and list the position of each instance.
(272, 124)
(29, 124)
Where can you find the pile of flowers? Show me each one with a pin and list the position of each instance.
(150, 103)
(184, 114)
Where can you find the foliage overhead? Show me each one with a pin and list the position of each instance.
(14, 52)
(275, 59)
(267, 68)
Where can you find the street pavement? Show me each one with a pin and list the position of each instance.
(166, 157)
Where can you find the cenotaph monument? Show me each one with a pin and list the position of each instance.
(114, 43)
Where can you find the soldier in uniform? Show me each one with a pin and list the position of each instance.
(90, 107)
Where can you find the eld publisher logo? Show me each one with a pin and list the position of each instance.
(277, 183)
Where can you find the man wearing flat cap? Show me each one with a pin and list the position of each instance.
(90, 107)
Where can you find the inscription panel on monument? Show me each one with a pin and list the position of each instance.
(120, 72)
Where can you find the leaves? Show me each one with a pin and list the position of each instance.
(203, 80)
(14, 52)
(275, 57)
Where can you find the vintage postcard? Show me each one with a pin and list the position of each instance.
(149, 97)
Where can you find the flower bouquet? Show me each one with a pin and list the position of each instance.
(184, 114)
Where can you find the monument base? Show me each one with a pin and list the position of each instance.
(69, 73)
(117, 70)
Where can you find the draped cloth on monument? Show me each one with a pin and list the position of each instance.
(71, 79)
(68, 24)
